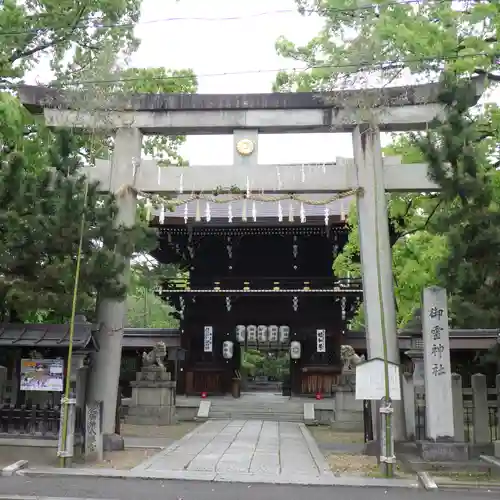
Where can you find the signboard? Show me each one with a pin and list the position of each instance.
(208, 340)
(42, 375)
(370, 380)
(321, 340)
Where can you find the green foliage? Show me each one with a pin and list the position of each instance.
(53, 28)
(415, 255)
(427, 40)
(40, 219)
(144, 308)
(424, 39)
(257, 363)
(457, 153)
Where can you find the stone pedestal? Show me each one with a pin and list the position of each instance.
(153, 398)
(443, 451)
(348, 410)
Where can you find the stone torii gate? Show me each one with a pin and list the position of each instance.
(363, 113)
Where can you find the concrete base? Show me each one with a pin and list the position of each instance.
(478, 449)
(112, 442)
(443, 451)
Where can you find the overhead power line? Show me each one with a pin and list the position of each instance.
(386, 65)
(90, 23)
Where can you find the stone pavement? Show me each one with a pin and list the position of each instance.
(255, 447)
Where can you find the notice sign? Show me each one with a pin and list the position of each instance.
(208, 339)
(42, 375)
(321, 340)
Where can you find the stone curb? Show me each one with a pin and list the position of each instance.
(25, 497)
(461, 485)
(427, 481)
(317, 456)
(12, 469)
(323, 480)
(165, 450)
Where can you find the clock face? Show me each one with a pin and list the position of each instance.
(245, 147)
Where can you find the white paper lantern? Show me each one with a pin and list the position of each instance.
(284, 334)
(273, 333)
(252, 333)
(295, 349)
(227, 349)
(262, 333)
(240, 333)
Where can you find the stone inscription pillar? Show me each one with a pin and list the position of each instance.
(438, 387)
(111, 313)
(376, 256)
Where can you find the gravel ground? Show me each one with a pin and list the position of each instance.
(120, 460)
(324, 435)
(173, 432)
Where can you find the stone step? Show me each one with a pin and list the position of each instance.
(255, 416)
(259, 406)
(298, 411)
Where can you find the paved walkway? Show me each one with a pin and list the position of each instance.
(267, 451)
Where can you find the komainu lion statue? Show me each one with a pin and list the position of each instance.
(349, 357)
(156, 356)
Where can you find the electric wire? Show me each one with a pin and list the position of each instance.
(92, 24)
(383, 65)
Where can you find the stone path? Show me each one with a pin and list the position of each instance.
(268, 451)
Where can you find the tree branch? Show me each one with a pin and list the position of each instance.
(20, 53)
(425, 224)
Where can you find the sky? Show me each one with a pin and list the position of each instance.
(212, 45)
(232, 46)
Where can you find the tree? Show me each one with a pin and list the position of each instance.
(56, 28)
(375, 44)
(457, 153)
(40, 221)
(384, 40)
(145, 308)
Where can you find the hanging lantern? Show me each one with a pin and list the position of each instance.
(240, 333)
(252, 333)
(295, 349)
(227, 349)
(273, 333)
(284, 334)
(262, 333)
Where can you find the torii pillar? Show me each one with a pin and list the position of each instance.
(112, 313)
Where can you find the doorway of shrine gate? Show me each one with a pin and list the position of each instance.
(264, 358)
